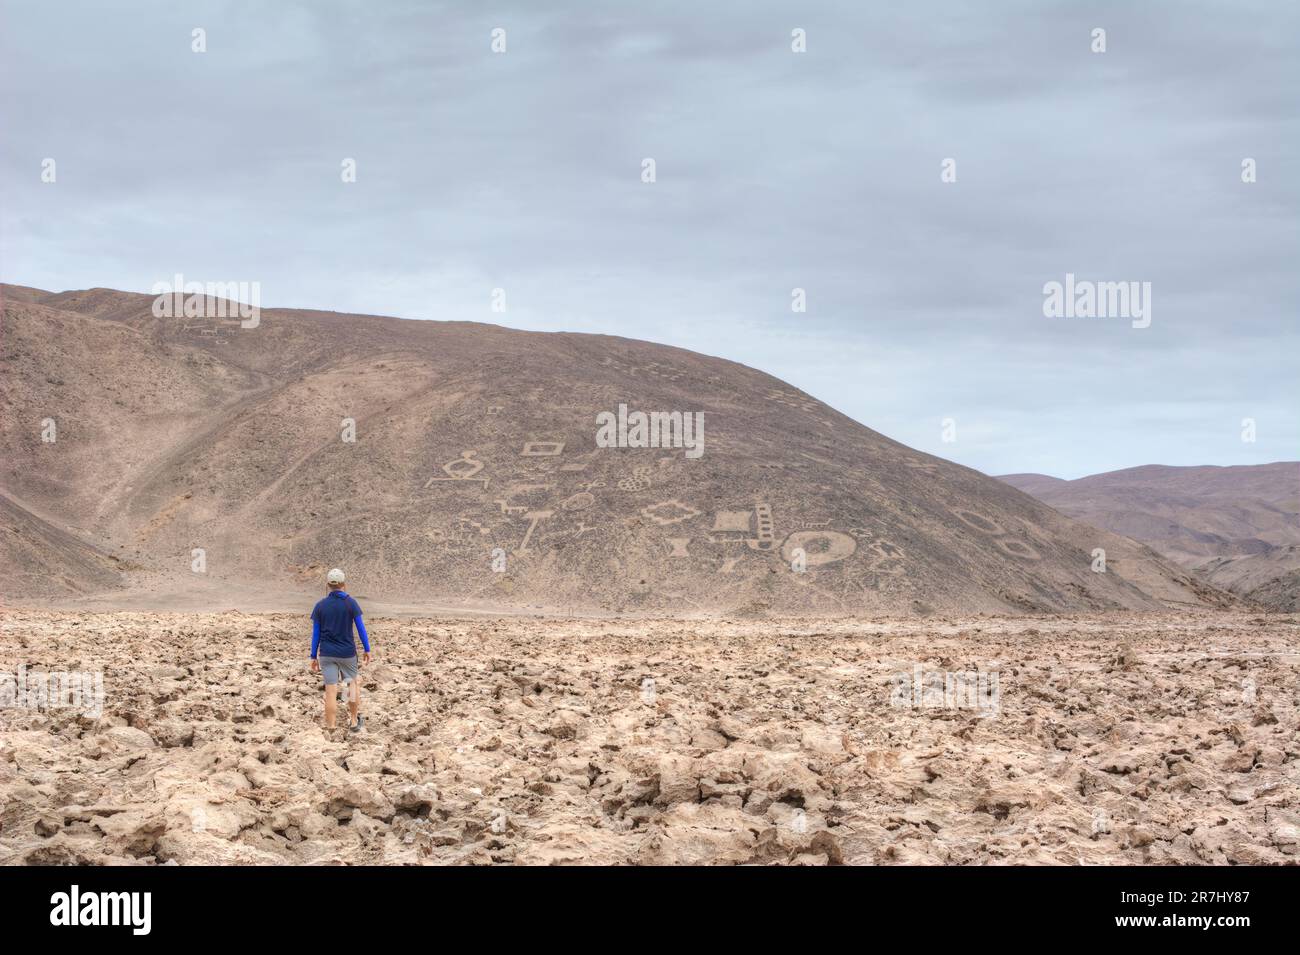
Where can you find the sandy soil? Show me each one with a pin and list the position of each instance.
(1153, 739)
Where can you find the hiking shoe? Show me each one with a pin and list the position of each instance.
(361, 721)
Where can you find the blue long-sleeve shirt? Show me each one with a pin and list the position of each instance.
(331, 626)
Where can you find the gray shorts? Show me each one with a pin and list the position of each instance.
(331, 668)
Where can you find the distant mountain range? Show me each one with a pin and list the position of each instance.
(1238, 526)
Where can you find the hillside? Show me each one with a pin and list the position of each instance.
(1237, 526)
(474, 478)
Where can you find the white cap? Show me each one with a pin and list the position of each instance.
(335, 576)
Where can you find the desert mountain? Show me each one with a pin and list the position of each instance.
(1238, 526)
(455, 463)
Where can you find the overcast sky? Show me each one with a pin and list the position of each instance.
(818, 170)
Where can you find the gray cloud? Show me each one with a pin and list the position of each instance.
(776, 170)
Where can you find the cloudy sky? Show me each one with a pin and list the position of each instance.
(775, 170)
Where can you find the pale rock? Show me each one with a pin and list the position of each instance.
(129, 737)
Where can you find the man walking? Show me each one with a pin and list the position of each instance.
(331, 634)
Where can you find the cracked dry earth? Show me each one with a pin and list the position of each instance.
(1154, 739)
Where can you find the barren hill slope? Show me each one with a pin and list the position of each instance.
(1239, 526)
(457, 463)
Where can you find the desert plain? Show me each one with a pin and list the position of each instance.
(1159, 738)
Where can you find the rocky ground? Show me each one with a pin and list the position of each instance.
(1132, 740)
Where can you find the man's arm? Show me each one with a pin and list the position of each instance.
(361, 632)
(315, 636)
(360, 625)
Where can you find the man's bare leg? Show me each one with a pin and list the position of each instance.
(354, 702)
(331, 704)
